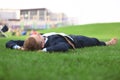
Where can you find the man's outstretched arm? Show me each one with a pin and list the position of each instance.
(14, 44)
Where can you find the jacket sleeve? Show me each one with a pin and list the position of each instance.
(58, 47)
(12, 43)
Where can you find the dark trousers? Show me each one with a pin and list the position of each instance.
(83, 41)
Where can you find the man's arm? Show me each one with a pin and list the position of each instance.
(14, 44)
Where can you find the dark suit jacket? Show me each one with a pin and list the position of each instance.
(57, 43)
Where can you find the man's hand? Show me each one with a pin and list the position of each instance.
(21, 48)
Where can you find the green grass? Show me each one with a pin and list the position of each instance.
(91, 63)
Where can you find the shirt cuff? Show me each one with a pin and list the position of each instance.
(16, 47)
(44, 50)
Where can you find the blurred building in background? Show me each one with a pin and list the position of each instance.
(39, 18)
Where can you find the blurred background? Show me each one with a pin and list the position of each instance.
(23, 15)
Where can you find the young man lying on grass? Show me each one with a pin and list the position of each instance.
(50, 42)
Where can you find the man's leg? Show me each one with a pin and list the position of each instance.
(83, 41)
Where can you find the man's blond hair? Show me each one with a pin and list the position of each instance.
(31, 44)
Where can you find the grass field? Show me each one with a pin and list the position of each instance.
(91, 63)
